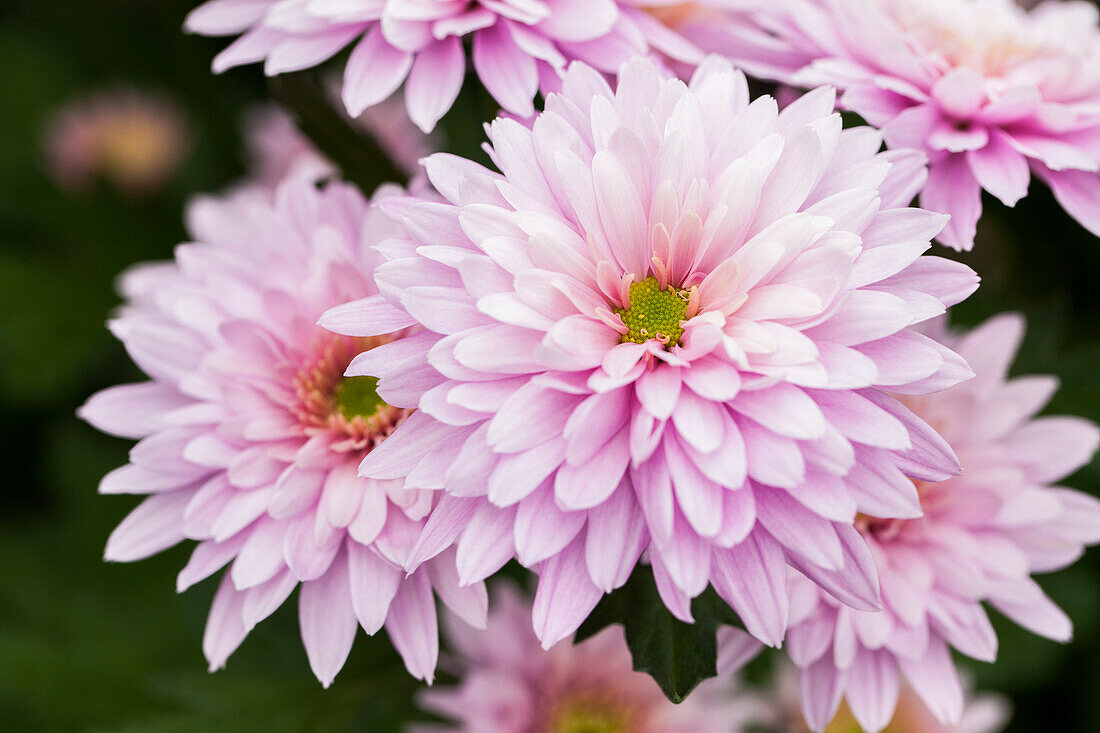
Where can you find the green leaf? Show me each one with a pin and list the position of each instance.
(678, 656)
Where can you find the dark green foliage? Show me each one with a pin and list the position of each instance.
(677, 655)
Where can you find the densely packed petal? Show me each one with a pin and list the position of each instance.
(250, 435)
(982, 536)
(510, 685)
(664, 329)
(518, 47)
(990, 91)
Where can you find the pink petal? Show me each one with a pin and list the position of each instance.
(156, 524)
(752, 578)
(936, 681)
(328, 621)
(412, 627)
(565, 595)
(507, 72)
(225, 629)
(952, 189)
(873, 689)
(374, 71)
(614, 540)
(373, 585)
(434, 82)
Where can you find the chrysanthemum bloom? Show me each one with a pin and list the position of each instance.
(250, 435)
(130, 138)
(518, 46)
(991, 92)
(981, 537)
(510, 685)
(665, 327)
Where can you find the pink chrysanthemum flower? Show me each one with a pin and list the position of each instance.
(250, 434)
(982, 535)
(133, 139)
(510, 685)
(665, 328)
(518, 46)
(991, 92)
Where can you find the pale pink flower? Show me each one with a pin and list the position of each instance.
(518, 47)
(664, 329)
(133, 139)
(508, 684)
(981, 537)
(250, 435)
(991, 92)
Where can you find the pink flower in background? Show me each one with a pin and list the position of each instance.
(981, 537)
(510, 685)
(250, 435)
(133, 139)
(278, 150)
(991, 92)
(402, 141)
(776, 709)
(518, 46)
(663, 329)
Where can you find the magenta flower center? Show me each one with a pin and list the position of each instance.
(349, 407)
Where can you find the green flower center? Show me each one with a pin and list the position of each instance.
(584, 719)
(357, 397)
(654, 313)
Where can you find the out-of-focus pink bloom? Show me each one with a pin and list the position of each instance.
(133, 139)
(402, 141)
(776, 708)
(250, 434)
(518, 46)
(991, 92)
(981, 537)
(278, 150)
(510, 685)
(663, 329)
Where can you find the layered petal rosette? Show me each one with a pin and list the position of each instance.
(990, 91)
(982, 535)
(250, 436)
(664, 328)
(508, 684)
(517, 46)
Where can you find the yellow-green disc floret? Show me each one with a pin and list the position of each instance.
(581, 719)
(358, 397)
(654, 313)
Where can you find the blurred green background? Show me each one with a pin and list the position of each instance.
(89, 646)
